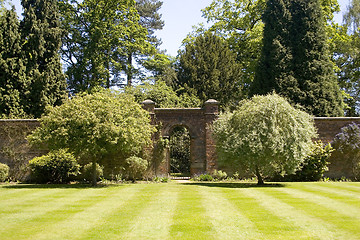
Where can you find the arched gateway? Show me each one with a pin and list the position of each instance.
(197, 121)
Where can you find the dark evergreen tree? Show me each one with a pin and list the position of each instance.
(295, 60)
(13, 81)
(208, 69)
(41, 33)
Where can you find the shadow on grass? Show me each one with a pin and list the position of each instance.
(235, 185)
(55, 186)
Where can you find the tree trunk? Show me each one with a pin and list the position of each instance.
(129, 70)
(259, 177)
(94, 177)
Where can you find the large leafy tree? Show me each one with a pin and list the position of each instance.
(13, 82)
(348, 57)
(207, 68)
(41, 35)
(264, 135)
(135, 57)
(96, 127)
(295, 61)
(240, 23)
(99, 36)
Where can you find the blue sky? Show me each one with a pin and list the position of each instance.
(180, 16)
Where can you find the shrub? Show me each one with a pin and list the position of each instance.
(55, 167)
(87, 172)
(203, 177)
(314, 166)
(4, 172)
(135, 168)
(347, 145)
(219, 175)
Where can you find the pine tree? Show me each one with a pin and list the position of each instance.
(41, 32)
(295, 61)
(13, 81)
(207, 68)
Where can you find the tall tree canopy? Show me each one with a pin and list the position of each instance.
(240, 23)
(208, 69)
(41, 35)
(348, 57)
(13, 81)
(99, 36)
(295, 60)
(136, 58)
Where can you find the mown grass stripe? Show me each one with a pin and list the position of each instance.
(331, 223)
(314, 226)
(118, 220)
(190, 220)
(350, 186)
(48, 212)
(155, 220)
(337, 194)
(79, 224)
(16, 211)
(219, 208)
(268, 224)
(326, 202)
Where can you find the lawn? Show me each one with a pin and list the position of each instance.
(324, 210)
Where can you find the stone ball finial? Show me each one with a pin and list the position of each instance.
(211, 101)
(149, 105)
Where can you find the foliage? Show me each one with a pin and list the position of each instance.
(314, 165)
(219, 175)
(4, 172)
(347, 144)
(240, 23)
(294, 40)
(101, 38)
(180, 151)
(163, 95)
(135, 168)
(207, 68)
(55, 167)
(14, 84)
(347, 56)
(41, 36)
(203, 177)
(87, 172)
(264, 135)
(94, 127)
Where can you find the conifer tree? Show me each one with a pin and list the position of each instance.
(13, 81)
(207, 68)
(41, 33)
(295, 61)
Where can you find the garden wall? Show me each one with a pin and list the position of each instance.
(328, 127)
(15, 151)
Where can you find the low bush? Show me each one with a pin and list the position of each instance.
(203, 177)
(219, 175)
(87, 172)
(314, 166)
(4, 172)
(347, 147)
(55, 167)
(135, 168)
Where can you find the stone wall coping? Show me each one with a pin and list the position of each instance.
(338, 118)
(177, 109)
(19, 120)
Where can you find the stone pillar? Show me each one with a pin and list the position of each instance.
(211, 108)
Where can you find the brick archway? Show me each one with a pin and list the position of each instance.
(197, 121)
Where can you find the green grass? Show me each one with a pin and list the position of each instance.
(323, 210)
